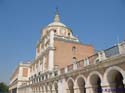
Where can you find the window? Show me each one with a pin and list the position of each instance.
(68, 34)
(54, 31)
(74, 49)
(74, 59)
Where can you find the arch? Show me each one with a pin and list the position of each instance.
(70, 79)
(80, 76)
(91, 74)
(80, 84)
(55, 86)
(70, 83)
(94, 81)
(111, 69)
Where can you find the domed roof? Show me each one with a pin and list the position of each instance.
(56, 24)
(57, 20)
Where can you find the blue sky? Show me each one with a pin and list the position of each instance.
(96, 22)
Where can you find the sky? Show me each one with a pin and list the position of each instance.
(97, 22)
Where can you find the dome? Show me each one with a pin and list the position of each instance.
(56, 24)
(57, 21)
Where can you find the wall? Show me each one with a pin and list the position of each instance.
(63, 54)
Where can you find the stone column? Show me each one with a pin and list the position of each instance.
(49, 90)
(65, 86)
(124, 83)
(76, 90)
(89, 89)
(30, 89)
(107, 89)
(53, 89)
(60, 86)
(44, 89)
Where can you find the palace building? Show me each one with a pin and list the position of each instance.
(65, 65)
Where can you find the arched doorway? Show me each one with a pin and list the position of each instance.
(70, 86)
(115, 80)
(95, 82)
(81, 85)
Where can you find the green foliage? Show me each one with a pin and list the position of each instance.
(3, 87)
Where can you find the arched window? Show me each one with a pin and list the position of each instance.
(74, 49)
(74, 59)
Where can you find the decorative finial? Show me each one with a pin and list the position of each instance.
(57, 18)
(57, 10)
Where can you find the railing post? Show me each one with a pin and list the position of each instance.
(101, 55)
(84, 62)
(121, 47)
(66, 69)
(53, 74)
(59, 72)
(74, 66)
(87, 61)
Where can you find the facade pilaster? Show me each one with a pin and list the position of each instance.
(51, 52)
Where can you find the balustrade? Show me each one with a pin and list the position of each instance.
(70, 67)
(80, 64)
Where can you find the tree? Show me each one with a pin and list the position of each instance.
(3, 87)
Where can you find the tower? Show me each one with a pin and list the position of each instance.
(58, 47)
